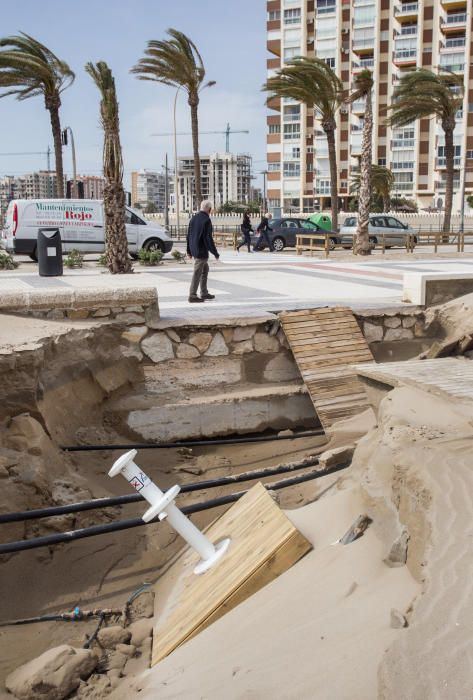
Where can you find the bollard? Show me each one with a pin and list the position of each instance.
(162, 506)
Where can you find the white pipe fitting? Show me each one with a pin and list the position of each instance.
(162, 506)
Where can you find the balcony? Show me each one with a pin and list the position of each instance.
(403, 165)
(407, 12)
(403, 143)
(362, 64)
(323, 188)
(358, 107)
(405, 57)
(453, 67)
(453, 4)
(355, 144)
(453, 22)
(455, 43)
(292, 117)
(361, 46)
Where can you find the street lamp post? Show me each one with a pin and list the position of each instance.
(176, 179)
(73, 149)
(265, 204)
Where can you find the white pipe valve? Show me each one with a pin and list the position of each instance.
(162, 506)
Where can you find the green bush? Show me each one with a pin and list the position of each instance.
(7, 262)
(102, 261)
(74, 259)
(178, 256)
(150, 258)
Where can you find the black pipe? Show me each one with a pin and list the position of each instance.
(96, 503)
(190, 443)
(50, 540)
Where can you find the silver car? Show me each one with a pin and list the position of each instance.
(381, 227)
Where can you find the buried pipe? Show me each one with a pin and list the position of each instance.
(94, 530)
(109, 502)
(191, 443)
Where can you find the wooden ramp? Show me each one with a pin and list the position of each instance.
(325, 342)
(264, 544)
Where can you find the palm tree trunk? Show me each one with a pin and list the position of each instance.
(116, 243)
(449, 174)
(329, 129)
(386, 203)
(194, 104)
(56, 129)
(362, 243)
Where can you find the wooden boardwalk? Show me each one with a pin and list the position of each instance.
(325, 342)
(445, 376)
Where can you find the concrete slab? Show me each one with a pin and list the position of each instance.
(427, 288)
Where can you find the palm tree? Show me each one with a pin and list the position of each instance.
(382, 181)
(177, 62)
(363, 90)
(312, 82)
(422, 94)
(116, 244)
(29, 69)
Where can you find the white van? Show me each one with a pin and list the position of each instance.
(81, 224)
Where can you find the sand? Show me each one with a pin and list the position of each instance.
(323, 630)
(318, 631)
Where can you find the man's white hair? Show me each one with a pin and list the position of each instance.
(268, 215)
(206, 205)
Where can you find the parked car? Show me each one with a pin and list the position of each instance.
(394, 231)
(80, 223)
(285, 231)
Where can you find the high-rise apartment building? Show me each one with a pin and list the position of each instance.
(148, 187)
(226, 177)
(389, 37)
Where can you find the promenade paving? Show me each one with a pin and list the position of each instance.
(261, 282)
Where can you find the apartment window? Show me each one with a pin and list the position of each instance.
(453, 61)
(469, 155)
(364, 15)
(275, 128)
(274, 167)
(453, 42)
(292, 132)
(274, 15)
(402, 160)
(363, 37)
(291, 52)
(403, 181)
(292, 16)
(441, 160)
(292, 170)
(325, 6)
(274, 202)
(382, 161)
(291, 152)
(330, 61)
(292, 113)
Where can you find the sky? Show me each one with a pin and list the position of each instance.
(230, 35)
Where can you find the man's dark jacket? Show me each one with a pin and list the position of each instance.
(199, 237)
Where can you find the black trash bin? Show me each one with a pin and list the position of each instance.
(49, 251)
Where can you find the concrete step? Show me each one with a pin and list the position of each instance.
(244, 408)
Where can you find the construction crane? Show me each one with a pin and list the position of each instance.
(227, 133)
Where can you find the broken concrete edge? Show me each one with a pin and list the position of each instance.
(125, 304)
(170, 322)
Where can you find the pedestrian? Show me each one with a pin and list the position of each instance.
(200, 243)
(263, 229)
(246, 229)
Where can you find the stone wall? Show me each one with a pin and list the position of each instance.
(390, 325)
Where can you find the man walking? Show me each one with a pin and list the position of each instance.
(263, 229)
(199, 244)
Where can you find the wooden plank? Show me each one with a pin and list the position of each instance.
(325, 342)
(264, 543)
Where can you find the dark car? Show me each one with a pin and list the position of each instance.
(285, 231)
